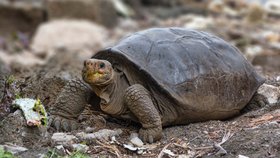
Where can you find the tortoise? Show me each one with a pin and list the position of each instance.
(160, 77)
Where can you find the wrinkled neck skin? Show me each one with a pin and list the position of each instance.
(104, 90)
(111, 94)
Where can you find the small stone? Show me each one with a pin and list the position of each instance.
(14, 149)
(205, 132)
(272, 7)
(242, 156)
(80, 147)
(255, 13)
(60, 150)
(169, 152)
(252, 51)
(71, 35)
(278, 78)
(101, 134)
(63, 139)
(130, 147)
(270, 92)
(198, 22)
(134, 139)
(89, 129)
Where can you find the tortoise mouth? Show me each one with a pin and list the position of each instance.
(91, 76)
(96, 72)
(96, 77)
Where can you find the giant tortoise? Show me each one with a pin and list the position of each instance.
(160, 77)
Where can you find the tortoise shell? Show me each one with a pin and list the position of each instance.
(197, 70)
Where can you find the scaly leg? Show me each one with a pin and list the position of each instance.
(69, 105)
(139, 102)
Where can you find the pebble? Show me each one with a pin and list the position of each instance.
(14, 149)
(135, 140)
(63, 139)
(101, 134)
(80, 147)
(89, 129)
(270, 92)
(60, 150)
(242, 156)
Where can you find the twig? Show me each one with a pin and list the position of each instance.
(218, 145)
(179, 145)
(162, 151)
(115, 150)
(224, 139)
(204, 147)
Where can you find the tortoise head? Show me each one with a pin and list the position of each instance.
(97, 72)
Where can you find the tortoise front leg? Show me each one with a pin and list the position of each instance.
(139, 102)
(69, 105)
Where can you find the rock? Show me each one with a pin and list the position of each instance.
(269, 61)
(255, 13)
(130, 147)
(60, 150)
(101, 134)
(14, 129)
(272, 7)
(89, 129)
(198, 22)
(80, 147)
(68, 35)
(23, 15)
(242, 156)
(100, 11)
(271, 93)
(63, 139)
(270, 36)
(168, 152)
(16, 59)
(278, 78)
(252, 51)
(14, 149)
(134, 139)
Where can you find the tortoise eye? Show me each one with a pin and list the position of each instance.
(101, 65)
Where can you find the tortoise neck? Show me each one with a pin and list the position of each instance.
(106, 87)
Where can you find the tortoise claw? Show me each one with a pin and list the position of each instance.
(61, 123)
(65, 125)
(150, 135)
(57, 123)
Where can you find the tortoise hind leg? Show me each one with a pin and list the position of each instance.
(139, 102)
(69, 105)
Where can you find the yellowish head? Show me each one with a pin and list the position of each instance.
(97, 72)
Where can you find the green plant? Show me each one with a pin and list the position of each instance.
(52, 154)
(78, 154)
(5, 154)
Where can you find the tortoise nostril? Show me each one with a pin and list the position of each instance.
(88, 63)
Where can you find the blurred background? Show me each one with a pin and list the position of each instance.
(44, 42)
(31, 31)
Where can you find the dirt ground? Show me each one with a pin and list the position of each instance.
(254, 133)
